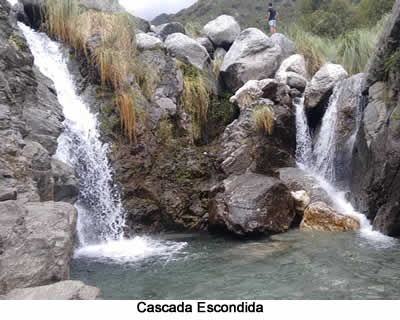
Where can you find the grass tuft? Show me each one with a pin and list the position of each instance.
(263, 119)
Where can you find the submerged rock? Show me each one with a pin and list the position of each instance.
(222, 31)
(253, 56)
(320, 217)
(253, 204)
(64, 290)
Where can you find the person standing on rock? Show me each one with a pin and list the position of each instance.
(272, 17)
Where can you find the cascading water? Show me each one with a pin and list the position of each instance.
(100, 213)
(319, 162)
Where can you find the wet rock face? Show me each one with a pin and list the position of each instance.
(320, 217)
(253, 204)
(253, 56)
(376, 158)
(64, 290)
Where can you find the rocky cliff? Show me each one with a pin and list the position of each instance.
(376, 158)
(36, 233)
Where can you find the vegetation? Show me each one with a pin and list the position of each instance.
(263, 119)
(392, 64)
(195, 97)
(112, 51)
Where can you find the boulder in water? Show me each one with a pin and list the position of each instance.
(252, 204)
(222, 31)
(183, 47)
(322, 84)
(64, 290)
(253, 56)
(320, 217)
(301, 199)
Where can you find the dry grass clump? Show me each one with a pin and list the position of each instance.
(195, 96)
(263, 119)
(113, 52)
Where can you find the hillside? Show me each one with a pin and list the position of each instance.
(247, 13)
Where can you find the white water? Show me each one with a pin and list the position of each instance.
(100, 213)
(319, 162)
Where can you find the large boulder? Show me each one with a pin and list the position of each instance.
(64, 290)
(222, 31)
(187, 49)
(249, 93)
(252, 204)
(288, 47)
(320, 217)
(167, 29)
(206, 43)
(295, 64)
(145, 41)
(375, 172)
(322, 84)
(36, 243)
(66, 184)
(253, 56)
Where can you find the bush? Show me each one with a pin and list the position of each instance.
(263, 119)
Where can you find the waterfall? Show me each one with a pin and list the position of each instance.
(319, 162)
(100, 213)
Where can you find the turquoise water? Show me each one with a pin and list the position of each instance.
(295, 265)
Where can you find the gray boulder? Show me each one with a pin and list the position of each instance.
(293, 64)
(206, 43)
(253, 204)
(222, 31)
(36, 243)
(322, 84)
(64, 290)
(253, 56)
(220, 53)
(288, 47)
(187, 49)
(145, 41)
(296, 81)
(167, 29)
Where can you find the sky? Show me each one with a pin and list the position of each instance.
(149, 9)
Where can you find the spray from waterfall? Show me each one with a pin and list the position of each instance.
(100, 213)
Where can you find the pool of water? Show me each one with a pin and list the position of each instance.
(294, 265)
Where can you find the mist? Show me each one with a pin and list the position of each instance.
(149, 9)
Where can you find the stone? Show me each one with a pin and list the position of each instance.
(288, 47)
(36, 242)
(249, 93)
(295, 64)
(63, 290)
(222, 31)
(187, 49)
(167, 29)
(145, 41)
(66, 184)
(276, 92)
(322, 84)
(320, 217)
(252, 204)
(220, 53)
(301, 199)
(8, 194)
(206, 43)
(253, 56)
(296, 81)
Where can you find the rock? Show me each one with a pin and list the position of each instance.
(167, 29)
(320, 217)
(222, 31)
(206, 43)
(295, 64)
(8, 194)
(220, 53)
(375, 179)
(301, 200)
(253, 56)
(297, 179)
(64, 290)
(296, 81)
(277, 92)
(147, 42)
(37, 242)
(321, 85)
(249, 93)
(253, 204)
(189, 50)
(66, 184)
(288, 47)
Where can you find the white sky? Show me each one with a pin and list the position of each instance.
(149, 9)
